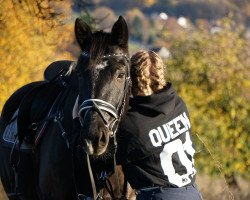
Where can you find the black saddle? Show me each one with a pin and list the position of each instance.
(56, 68)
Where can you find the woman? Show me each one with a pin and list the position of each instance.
(156, 150)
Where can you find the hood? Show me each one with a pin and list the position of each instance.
(163, 102)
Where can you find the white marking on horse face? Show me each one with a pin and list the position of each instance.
(89, 148)
(102, 65)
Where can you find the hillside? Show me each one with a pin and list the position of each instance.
(192, 9)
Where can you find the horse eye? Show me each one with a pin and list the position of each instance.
(121, 75)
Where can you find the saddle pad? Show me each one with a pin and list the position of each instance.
(10, 134)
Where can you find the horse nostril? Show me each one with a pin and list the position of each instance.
(103, 138)
(81, 115)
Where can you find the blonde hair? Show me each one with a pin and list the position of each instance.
(147, 73)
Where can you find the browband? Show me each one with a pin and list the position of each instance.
(85, 54)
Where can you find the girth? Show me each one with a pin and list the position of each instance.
(35, 110)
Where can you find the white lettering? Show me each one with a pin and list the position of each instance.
(177, 121)
(155, 138)
(185, 120)
(165, 137)
(171, 130)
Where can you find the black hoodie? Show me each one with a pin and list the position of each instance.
(155, 146)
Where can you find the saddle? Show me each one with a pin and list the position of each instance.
(56, 68)
(21, 108)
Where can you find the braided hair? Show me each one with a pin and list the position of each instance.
(147, 73)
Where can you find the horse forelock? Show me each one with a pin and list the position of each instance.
(99, 43)
(102, 44)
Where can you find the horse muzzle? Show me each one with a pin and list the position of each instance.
(96, 139)
(95, 115)
(92, 149)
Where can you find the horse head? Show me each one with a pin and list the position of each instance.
(103, 77)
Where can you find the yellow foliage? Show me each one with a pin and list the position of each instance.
(25, 45)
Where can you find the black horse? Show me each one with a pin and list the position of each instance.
(67, 164)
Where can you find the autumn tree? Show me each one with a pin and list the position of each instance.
(33, 34)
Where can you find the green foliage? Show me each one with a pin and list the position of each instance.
(138, 28)
(87, 17)
(212, 74)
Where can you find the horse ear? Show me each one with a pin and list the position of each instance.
(83, 33)
(120, 32)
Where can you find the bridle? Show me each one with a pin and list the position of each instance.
(100, 106)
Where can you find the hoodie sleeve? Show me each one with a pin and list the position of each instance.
(125, 140)
(122, 141)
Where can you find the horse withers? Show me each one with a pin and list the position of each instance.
(67, 162)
